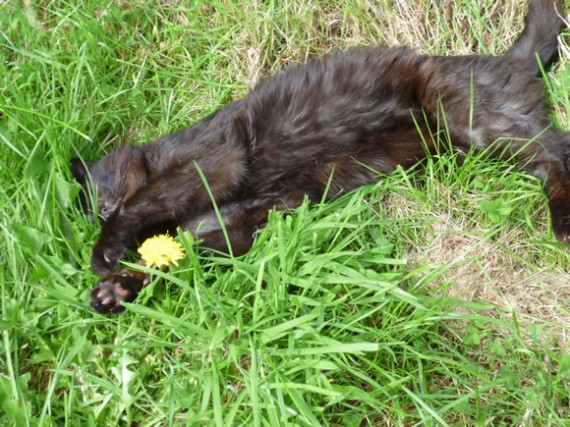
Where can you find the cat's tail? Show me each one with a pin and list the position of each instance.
(543, 23)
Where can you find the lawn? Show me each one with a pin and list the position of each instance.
(437, 296)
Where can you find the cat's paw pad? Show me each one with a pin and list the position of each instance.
(107, 296)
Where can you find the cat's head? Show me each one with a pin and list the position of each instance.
(111, 179)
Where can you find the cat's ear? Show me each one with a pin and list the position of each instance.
(132, 164)
(80, 169)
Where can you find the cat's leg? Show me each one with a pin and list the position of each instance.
(492, 103)
(241, 219)
(558, 190)
(553, 168)
(544, 154)
(177, 192)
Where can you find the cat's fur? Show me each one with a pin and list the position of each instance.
(330, 116)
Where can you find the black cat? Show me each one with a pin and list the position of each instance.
(331, 116)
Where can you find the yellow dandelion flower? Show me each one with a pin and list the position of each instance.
(161, 250)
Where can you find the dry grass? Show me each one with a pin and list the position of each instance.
(477, 269)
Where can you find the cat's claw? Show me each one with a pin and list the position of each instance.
(110, 292)
(105, 259)
(102, 265)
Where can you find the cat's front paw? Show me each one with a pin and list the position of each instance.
(109, 293)
(105, 259)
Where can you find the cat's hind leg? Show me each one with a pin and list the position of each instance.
(493, 104)
(241, 218)
(555, 174)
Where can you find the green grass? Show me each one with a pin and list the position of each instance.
(437, 296)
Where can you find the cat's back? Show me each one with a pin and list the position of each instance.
(325, 114)
(335, 96)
